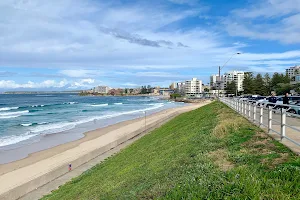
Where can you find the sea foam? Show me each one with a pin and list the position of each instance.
(99, 105)
(44, 128)
(9, 108)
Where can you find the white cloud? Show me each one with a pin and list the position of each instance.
(88, 81)
(83, 83)
(130, 84)
(269, 8)
(78, 73)
(89, 40)
(276, 20)
(10, 84)
(78, 84)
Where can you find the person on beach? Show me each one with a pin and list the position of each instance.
(286, 99)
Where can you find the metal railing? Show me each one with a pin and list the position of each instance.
(267, 116)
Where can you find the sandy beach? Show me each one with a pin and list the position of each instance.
(22, 176)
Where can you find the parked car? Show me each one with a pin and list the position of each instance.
(256, 99)
(292, 99)
(263, 101)
(294, 108)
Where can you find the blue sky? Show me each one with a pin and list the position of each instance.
(66, 45)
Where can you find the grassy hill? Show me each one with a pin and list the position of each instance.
(209, 153)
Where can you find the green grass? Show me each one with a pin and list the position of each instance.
(209, 153)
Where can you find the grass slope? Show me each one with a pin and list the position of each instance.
(209, 153)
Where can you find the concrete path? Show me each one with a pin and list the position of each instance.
(290, 132)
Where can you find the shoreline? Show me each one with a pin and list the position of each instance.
(40, 142)
(88, 135)
(48, 152)
(42, 167)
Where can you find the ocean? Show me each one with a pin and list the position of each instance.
(27, 118)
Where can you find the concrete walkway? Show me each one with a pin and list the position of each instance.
(291, 133)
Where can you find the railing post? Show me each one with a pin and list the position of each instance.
(270, 119)
(249, 110)
(261, 115)
(242, 108)
(283, 123)
(254, 112)
(244, 111)
(235, 105)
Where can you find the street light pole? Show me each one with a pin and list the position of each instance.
(219, 84)
(145, 121)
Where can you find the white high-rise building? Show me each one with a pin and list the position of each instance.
(193, 87)
(213, 80)
(237, 76)
(294, 73)
(216, 82)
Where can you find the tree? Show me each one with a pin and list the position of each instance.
(148, 89)
(280, 83)
(175, 95)
(206, 90)
(259, 85)
(267, 84)
(286, 78)
(276, 79)
(283, 88)
(144, 90)
(248, 83)
(231, 88)
(126, 90)
(296, 87)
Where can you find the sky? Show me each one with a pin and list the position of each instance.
(78, 44)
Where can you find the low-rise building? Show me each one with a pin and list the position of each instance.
(172, 86)
(101, 89)
(166, 91)
(155, 91)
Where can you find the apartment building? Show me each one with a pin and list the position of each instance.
(216, 82)
(294, 73)
(193, 87)
(237, 76)
(180, 88)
